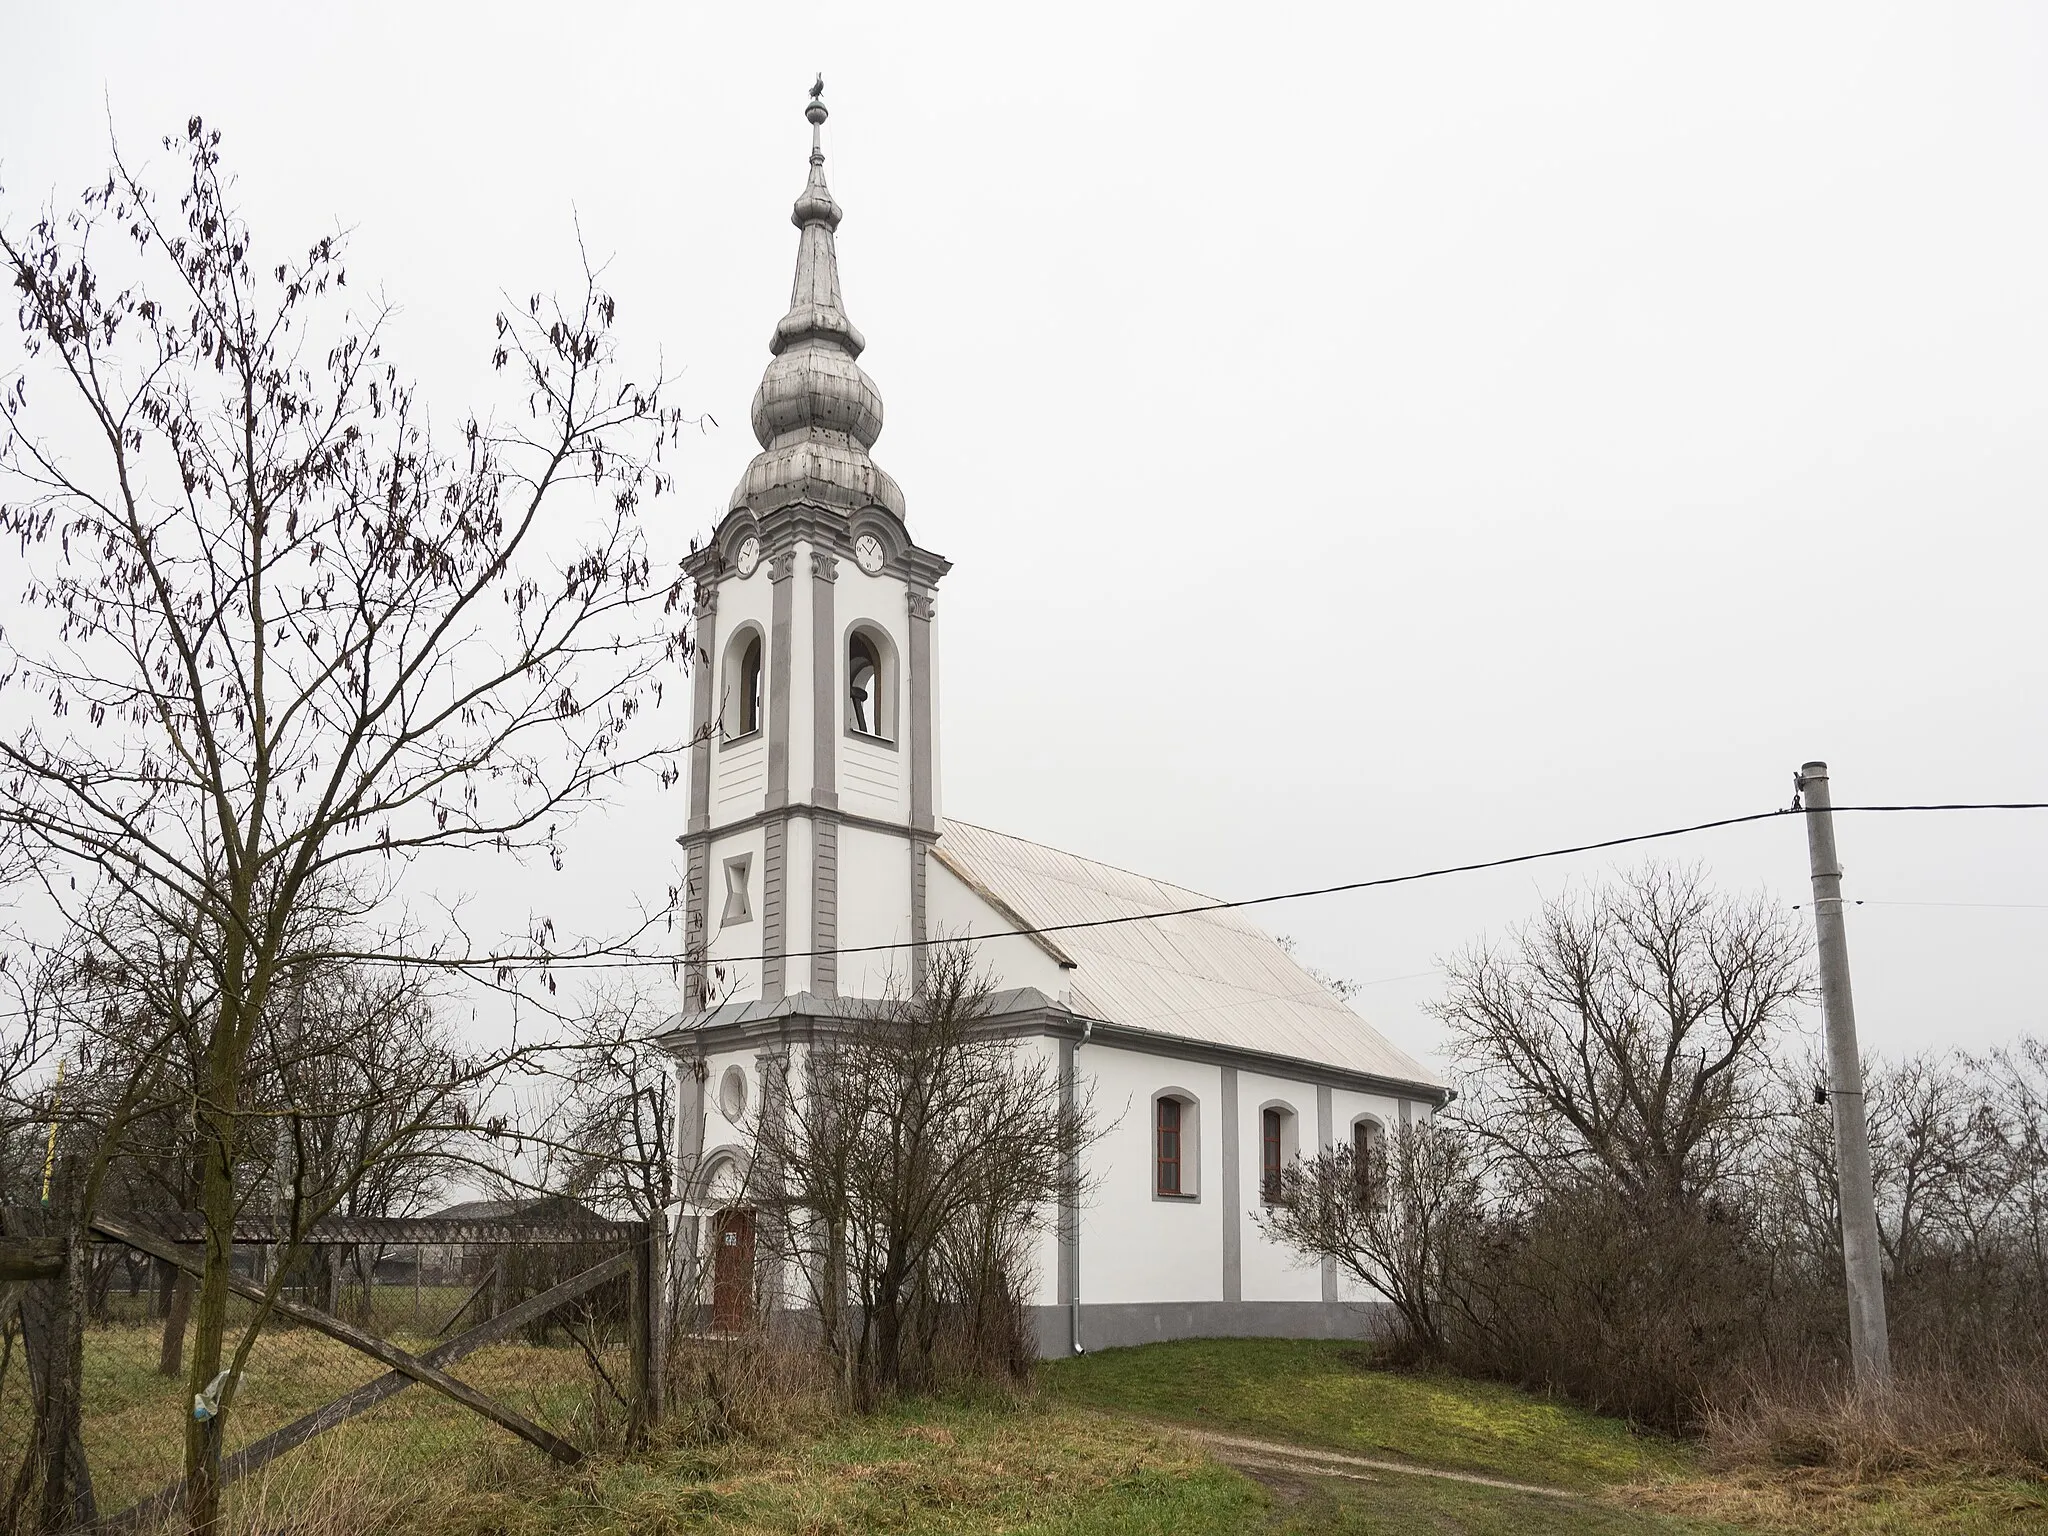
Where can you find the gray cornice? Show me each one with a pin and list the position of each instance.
(825, 529)
(1020, 1011)
(801, 808)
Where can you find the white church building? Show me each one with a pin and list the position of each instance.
(816, 839)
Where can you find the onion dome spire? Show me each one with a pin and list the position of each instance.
(816, 413)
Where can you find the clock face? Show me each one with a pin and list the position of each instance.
(867, 550)
(748, 557)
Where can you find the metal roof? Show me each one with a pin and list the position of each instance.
(1213, 977)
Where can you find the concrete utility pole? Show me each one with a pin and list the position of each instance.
(1862, 1256)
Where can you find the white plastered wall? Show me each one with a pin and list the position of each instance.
(721, 1131)
(1271, 1271)
(739, 769)
(1136, 1246)
(733, 946)
(874, 776)
(1347, 1108)
(729, 1147)
(874, 908)
(1041, 1283)
(954, 910)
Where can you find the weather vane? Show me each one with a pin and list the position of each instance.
(818, 90)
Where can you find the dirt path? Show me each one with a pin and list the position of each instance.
(1269, 1455)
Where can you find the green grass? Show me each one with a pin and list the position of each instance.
(1045, 1470)
(1323, 1393)
(929, 1470)
(1327, 1395)
(1395, 1505)
(1087, 1455)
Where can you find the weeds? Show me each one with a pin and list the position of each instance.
(1992, 1421)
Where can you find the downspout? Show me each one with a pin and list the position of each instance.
(1074, 1296)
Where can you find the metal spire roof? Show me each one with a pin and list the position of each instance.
(816, 413)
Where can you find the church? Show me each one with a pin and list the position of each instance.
(817, 850)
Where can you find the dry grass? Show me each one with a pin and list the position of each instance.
(1937, 1451)
(1832, 1502)
(1992, 1423)
(937, 1469)
(135, 1419)
(764, 1386)
(766, 1452)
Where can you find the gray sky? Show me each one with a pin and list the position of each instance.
(1368, 437)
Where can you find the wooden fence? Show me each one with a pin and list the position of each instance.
(42, 1292)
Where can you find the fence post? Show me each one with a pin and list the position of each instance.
(658, 1325)
(53, 1338)
(637, 1340)
(640, 1338)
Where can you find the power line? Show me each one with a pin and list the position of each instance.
(1376, 883)
(634, 962)
(1982, 906)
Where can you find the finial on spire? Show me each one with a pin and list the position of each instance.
(816, 413)
(815, 114)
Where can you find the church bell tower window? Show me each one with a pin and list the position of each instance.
(870, 701)
(743, 674)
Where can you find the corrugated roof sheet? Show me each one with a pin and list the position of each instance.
(1213, 977)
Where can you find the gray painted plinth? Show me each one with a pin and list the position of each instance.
(1115, 1325)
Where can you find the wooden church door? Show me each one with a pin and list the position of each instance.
(732, 1270)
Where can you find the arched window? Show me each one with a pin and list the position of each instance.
(1276, 1149)
(1176, 1148)
(1169, 1146)
(1369, 1159)
(743, 684)
(750, 686)
(866, 704)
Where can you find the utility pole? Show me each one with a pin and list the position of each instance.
(1862, 1257)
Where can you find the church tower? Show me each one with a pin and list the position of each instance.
(814, 795)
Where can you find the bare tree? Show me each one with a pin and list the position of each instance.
(364, 1103)
(609, 1136)
(29, 1034)
(907, 1161)
(2016, 1080)
(1624, 1033)
(277, 628)
(1393, 1215)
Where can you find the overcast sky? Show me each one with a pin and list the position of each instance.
(1368, 437)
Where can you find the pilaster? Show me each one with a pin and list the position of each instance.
(922, 800)
(825, 904)
(1324, 1142)
(774, 888)
(824, 680)
(703, 704)
(781, 627)
(1233, 1214)
(696, 933)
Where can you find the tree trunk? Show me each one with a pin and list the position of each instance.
(889, 1332)
(832, 1299)
(217, 1135)
(67, 1489)
(53, 1339)
(170, 1358)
